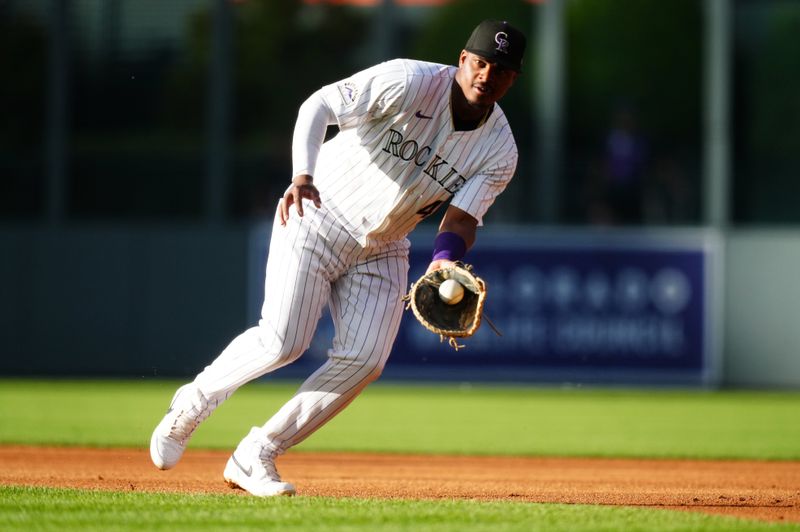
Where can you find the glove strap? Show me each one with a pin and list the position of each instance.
(449, 246)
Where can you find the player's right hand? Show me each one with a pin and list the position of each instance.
(302, 187)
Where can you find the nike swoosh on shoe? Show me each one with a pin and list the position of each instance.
(248, 471)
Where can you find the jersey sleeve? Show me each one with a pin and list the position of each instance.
(480, 191)
(371, 94)
(313, 119)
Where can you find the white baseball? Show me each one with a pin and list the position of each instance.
(451, 291)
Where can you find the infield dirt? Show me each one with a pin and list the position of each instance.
(767, 491)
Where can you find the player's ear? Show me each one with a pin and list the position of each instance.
(462, 57)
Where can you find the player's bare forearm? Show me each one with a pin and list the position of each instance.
(302, 187)
(461, 223)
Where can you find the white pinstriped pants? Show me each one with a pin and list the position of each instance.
(313, 262)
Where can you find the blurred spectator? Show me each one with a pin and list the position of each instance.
(614, 190)
(625, 159)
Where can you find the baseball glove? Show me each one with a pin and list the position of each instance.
(451, 321)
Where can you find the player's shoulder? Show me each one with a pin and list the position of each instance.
(427, 68)
(497, 131)
(498, 122)
(417, 68)
(407, 69)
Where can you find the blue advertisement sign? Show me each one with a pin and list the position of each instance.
(578, 307)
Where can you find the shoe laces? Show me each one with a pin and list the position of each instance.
(188, 419)
(267, 458)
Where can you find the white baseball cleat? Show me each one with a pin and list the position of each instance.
(252, 468)
(187, 410)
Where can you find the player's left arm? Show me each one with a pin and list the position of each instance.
(459, 223)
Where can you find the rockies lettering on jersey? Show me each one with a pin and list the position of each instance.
(409, 150)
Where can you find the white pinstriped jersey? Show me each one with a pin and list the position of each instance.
(397, 156)
(396, 159)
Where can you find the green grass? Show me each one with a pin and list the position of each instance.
(445, 419)
(39, 508)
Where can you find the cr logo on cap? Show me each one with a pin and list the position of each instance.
(501, 38)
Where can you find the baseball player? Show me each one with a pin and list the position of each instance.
(412, 136)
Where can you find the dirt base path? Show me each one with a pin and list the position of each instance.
(754, 490)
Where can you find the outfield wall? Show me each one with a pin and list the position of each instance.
(145, 301)
(118, 300)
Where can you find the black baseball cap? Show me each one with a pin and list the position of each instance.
(499, 42)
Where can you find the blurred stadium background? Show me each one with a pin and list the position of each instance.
(650, 232)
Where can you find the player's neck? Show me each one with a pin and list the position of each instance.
(466, 117)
